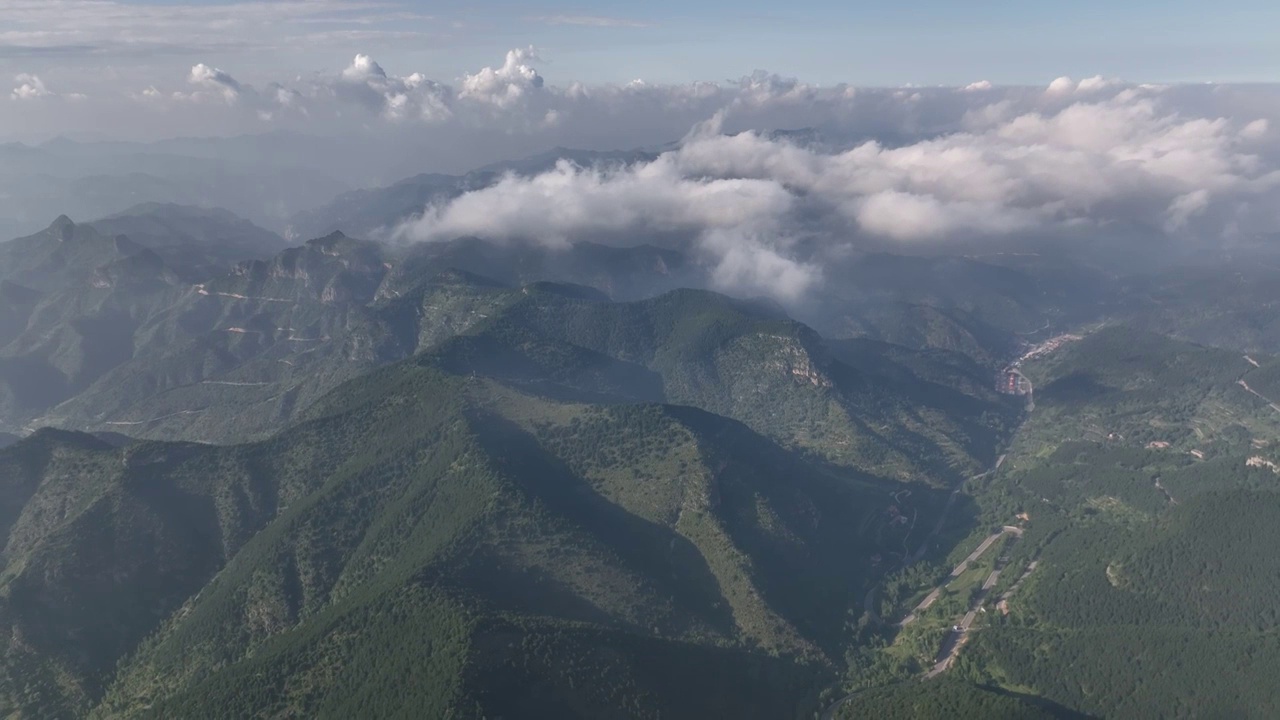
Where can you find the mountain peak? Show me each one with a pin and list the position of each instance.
(333, 237)
(62, 227)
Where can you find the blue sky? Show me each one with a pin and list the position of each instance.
(935, 41)
(820, 41)
(881, 43)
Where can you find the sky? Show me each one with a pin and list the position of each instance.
(120, 61)
(924, 122)
(83, 43)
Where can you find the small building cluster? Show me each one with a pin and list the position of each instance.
(1012, 382)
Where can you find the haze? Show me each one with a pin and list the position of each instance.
(301, 101)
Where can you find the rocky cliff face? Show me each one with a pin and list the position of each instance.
(803, 361)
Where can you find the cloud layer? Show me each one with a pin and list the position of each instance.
(765, 206)
(767, 211)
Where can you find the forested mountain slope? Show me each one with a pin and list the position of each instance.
(747, 361)
(1147, 484)
(432, 543)
(238, 356)
(200, 241)
(133, 327)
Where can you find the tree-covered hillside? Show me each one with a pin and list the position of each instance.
(909, 414)
(138, 350)
(430, 544)
(346, 479)
(1145, 481)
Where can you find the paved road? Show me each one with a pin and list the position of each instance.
(955, 640)
(1031, 389)
(959, 570)
(984, 547)
(929, 600)
(1274, 405)
(1018, 583)
(830, 712)
(946, 511)
(950, 649)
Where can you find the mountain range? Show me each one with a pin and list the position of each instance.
(537, 477)
(244, 475)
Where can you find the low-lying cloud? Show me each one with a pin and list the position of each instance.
(215, 81)
(766, 210)
(29, 87)
(777, 177)
(736, 222)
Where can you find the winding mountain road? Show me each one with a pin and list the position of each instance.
(201, 289)
(950, 649)
(959, 570)
(1274, 405)
(946, 511)
(956, 640)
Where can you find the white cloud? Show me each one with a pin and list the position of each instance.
(362, 69)
(732, 221)
(1184, 207)
(506, 85)
(513, 100)
(764, 208)
(29, 87)
(571, 203)
(1096, 83)
(763, 211)
(215, 80)
(1062, 86)
(1256, 130)
(903, 215)
(32, 87)
(395, 98)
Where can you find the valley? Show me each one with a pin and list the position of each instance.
(1034, 603)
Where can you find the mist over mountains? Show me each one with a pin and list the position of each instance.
(548, 458)
(768, 181)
